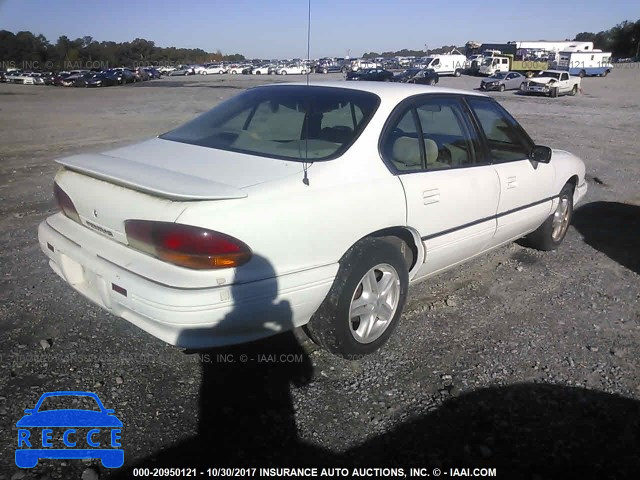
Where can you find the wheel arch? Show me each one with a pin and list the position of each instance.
(407, 239)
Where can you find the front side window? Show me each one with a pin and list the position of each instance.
(506, 140)
(290, 122)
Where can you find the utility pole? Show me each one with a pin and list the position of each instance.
(426, 49)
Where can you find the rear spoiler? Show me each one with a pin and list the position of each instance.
(149, 179)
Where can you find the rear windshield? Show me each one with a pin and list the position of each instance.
(293, 122)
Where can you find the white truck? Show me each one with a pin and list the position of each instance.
(491, 65)
(446, 64)
(551, 83)
(595, 62)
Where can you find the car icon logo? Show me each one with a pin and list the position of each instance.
(69, 433)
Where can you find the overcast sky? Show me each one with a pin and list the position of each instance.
(278, 28)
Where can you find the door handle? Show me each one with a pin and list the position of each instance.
(512, 182)
(431, 196)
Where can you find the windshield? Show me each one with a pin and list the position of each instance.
(294, 122)
(487, 61)
(549, 75)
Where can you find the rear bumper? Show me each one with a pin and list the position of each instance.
(135, 287)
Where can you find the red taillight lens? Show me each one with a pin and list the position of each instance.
(186, 245)
(65, 203)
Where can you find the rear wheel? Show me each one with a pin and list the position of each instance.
(574, 90)
(551, 233)
(432, 82)
(554, 92)
(365, 302)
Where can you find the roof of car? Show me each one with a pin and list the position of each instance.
(386, 89)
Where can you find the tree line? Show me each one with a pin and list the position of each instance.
(623, 40)
(25, 48)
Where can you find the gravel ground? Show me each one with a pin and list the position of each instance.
(522, 361)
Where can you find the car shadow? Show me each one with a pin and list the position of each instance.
(612, 228)
(524, 431)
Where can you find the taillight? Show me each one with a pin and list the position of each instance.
(186, 245)
(65, 203)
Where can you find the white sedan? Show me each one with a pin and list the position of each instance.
(292, 70)
(303, 205)
(213, 70)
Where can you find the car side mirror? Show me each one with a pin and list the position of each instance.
(541, 154)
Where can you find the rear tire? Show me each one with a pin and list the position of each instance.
(372, 279)
(574, 91)
(551, 233)
(432, 82)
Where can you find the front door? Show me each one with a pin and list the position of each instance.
(525, 195)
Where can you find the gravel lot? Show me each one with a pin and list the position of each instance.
(522, 361)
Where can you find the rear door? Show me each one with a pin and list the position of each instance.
(451, 190)
(525, 186)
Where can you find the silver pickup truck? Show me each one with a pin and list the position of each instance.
(551, 83)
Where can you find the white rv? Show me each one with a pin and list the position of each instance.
(595, 62)
(450, 64)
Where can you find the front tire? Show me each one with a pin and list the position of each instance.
(458, 72)
(365, 302)
(502, 87)
(551, 233)
(582, 74)
(574, 91)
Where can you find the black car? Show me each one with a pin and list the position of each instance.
(330, 68)
(102, 80)
(122, 75)
(153, 73)
(82, 80)
(422, 76)
(3, 77)
(371, 75)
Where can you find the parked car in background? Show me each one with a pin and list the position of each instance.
(81, 80)
(194, 252)
(247, 70)
(153, 73)
(141, 74)
(292, 70)
(234, 69)
(213, 69)
(552, 83)
(182, 70)
(123, 75)
(261, 70)
(102, 79)
(330, 68)
(503, 81)
(422, 76)
(371, 75)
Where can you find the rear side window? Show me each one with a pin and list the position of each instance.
(429, 134)
(290, 122)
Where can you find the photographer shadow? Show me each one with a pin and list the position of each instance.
(246, 413)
